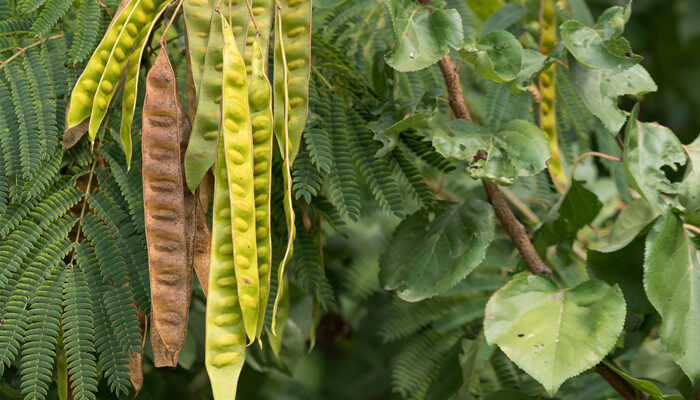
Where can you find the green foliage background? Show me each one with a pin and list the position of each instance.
(367, 343)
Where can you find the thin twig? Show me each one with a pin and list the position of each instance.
(692, 228)
(520, 206)
(23, 49)
(163, 38)
(258, 32)
(103, 5)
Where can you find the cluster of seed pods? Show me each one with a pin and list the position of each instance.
(120, 49)
(230, 100)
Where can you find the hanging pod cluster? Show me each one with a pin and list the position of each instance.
(118, 54)
(234, 113)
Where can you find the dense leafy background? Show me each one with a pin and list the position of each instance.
(368, 343)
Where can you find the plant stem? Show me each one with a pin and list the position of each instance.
(515, 229)
(621, 386)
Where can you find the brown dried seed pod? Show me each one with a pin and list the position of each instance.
(202, 248)
(165, 128)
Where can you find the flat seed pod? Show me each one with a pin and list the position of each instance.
(238, 151)
(202, 150)
(132, 37)
(260, 102)
(80, 103)
(225, 334)
(202, 248)
(295, 42)
(262, 20)
(131, 87)
(165, 127)
(285, 144)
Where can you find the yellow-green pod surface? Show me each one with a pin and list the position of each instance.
(548, 114)
(198, 23)
(139, 24)
(262, 17)
(295, 33)
(225, 334)
(86, 85)
(201, 150)
(285, 144)
(131, 88)
(238, 150)
(260, 101)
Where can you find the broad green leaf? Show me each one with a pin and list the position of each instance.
(690, 187)
(612, 21)
(475, 354)
(534, 62)
(434, 249)
(519, 148)
(578, 207)
(498, 56)
(552, 333)
(624, 267)
(503, 18)
(600, 89)
(450, 375)
(648, 147)
(643, 385)
(387, 128)
(422, 38)
(590, 49)
(632, 221)
(672, 284)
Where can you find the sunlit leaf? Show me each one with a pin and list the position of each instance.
(590, 49)
(552, 333)
(422, 38)
(498, 56)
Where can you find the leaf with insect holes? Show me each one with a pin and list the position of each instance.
(519, 148)
(648, 148)
(552, 333)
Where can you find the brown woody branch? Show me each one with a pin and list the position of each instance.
(517, 232)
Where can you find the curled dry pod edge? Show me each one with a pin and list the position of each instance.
(165, 124)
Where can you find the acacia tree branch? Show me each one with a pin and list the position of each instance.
(517, 232)
(515, 229)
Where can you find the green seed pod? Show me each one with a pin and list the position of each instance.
(295, 33)
(201, 150)
(262, 18)
(206, 67)
(225, 334)
(141, 21)
(260, 101)
(238, 146)
(548, 118)
(286, 146)
(85, 87)
(131, 89)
